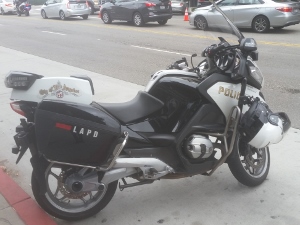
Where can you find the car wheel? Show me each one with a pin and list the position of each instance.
(92, 11)
(162, 22)
(85, 17)
(2, 12)
(106, 18)
(201, 23)
(278, 28)
(43, 13)
(137, 19)
(260, 24)
(62, 15)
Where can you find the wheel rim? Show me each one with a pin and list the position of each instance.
(260, 24)
(255, 161)
(62, 15)
(105, 17)
(200, 23)
(137, 19)
(62, 199)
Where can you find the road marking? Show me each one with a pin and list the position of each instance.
(284, 44)
(53, 32)
(159, 50)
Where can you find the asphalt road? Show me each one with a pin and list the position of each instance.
(133, 54)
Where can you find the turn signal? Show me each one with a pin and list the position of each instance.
(285, 9)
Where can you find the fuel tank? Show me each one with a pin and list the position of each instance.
(75, 133)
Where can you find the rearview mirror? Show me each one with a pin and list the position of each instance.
(248, 45)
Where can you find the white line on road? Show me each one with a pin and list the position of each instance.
(53, 32)
(159, 50)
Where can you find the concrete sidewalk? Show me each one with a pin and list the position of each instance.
(214, 200)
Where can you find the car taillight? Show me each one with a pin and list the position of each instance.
(16, 107)
(181, 4)
(285, 9)
(9, 5)
(150, 4)
(87, 4)
(68, 5)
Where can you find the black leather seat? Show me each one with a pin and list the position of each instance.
(142, 106)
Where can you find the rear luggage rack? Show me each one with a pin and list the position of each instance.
(118, 149)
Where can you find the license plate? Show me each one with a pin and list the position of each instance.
(162, 7)
(79, 6)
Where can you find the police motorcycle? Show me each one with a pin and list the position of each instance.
(188, 121)
(22, 7)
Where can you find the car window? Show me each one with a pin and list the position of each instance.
(227, 3)
(250, 2)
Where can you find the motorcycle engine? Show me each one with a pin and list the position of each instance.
(198, 147)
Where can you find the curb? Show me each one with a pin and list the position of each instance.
(27, 209)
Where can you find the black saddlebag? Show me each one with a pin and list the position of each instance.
(75, 133)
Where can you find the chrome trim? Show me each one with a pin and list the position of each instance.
(233, 119)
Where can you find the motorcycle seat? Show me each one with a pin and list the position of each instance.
(140, 107)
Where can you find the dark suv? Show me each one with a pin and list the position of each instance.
(137, 11)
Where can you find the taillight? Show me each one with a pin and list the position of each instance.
(170, 3)
(181, 4)
(87, 4)
(16, 107)
(285, 9)
(63, 126)
(9, 5)
(68, 5)
(150, 4)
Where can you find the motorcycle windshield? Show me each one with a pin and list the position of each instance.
(219, 16)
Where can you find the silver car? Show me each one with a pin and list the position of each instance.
(259, 15)
(7, 6)
(65, 8)
(178, 6)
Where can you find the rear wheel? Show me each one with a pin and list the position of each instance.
(2, 12)
(85, 17)
(249, 165)
(62, 15)
(260, 24)
(201, 23)
(162, 22)
(61, 202)
(44, 15)
(26, 13)
(106, 18)
(138, 20)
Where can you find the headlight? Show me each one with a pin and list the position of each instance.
(255, 71)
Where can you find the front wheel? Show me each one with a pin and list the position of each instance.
(105, 17)
(70, 204)
(44, 15)
(201, 23)
(249, 165)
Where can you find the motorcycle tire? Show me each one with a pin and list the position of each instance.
(63, 210)
(249, 165)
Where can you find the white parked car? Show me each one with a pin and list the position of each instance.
(65, 8)
(7, 6)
